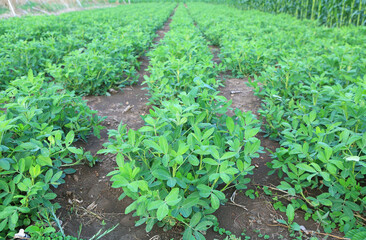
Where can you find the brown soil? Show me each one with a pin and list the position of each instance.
(215, 51)
(165, 29)
(243, 98)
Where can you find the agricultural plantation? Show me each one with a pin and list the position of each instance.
(185, 120)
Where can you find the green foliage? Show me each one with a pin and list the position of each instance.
(56, 236)
(91, 71)
(251, 193)
(290, 213)
(86, 52)
(180, 62)
(177, 170)
(312, 81)
(223, 232)
(39, 122)
(177, 166)
(357, 234)
(110, 60)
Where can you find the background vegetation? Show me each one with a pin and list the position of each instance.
(329, 12)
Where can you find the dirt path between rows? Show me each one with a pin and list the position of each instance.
(254, 217)
(87, 198)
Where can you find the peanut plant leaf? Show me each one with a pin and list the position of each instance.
(69, 138)
(162, 212)
(195, 219)
(230, 124)
(163, 144)
(173, 197)
(154, 145)
(188, 234)
(215, 202)
(306, 167)
(44, 161)
(290, 213)
(204, 225)
(228, 155)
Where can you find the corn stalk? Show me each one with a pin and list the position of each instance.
(329, 12)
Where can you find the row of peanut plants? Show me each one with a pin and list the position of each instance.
(312, 81)
(88, 52)
(177, 167)
(40, 119)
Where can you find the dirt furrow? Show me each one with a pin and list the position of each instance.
(257, 216)
(87, 199)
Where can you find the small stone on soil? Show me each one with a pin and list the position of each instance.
(76, 178)
(112, 90)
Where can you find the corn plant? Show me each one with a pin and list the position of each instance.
(329, 12)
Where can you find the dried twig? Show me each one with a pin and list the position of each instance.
(91, 212)
(129, 107)
(357, 215)
(232, 199)
(273, 188)
(156, 237)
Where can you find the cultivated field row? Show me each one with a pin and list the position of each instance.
(191, 153)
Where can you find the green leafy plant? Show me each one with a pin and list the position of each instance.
(177, 170)
(78, 54)
(251, 193)
(39, 122)
(181, 62)
(357, 234)
(56, 236)
(223, 231)
(290, 213)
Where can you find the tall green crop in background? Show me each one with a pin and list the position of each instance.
(332, 13)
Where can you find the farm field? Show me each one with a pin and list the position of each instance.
(192, 121)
